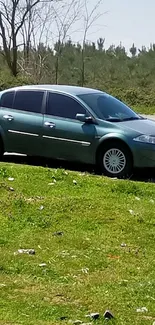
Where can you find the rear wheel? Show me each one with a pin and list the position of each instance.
(115, 160)
(1, 149)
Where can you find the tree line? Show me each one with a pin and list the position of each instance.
(36, 48)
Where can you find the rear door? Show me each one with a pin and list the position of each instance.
(21, 121)
(63, 135)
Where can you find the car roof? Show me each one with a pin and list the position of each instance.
(73, 90)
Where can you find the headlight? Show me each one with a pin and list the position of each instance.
(145, 139)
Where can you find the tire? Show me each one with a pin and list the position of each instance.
(1, 149)
(115, 160)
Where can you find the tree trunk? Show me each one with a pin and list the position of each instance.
(14, 58)
(56, 70)
(6, 50)
(83, 69)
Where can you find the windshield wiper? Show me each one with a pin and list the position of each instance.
(132, 118)
(116, 119)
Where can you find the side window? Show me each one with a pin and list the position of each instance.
(30, 101)
(7, 99)
(63, 106)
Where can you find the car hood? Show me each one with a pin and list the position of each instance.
(143, 126)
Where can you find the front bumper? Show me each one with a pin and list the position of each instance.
(143, 155)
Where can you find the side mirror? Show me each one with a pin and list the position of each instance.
(83, 118)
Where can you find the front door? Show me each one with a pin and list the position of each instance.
(21, 121)
(64, 136)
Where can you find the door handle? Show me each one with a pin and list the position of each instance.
(8, 117)
(49, 124)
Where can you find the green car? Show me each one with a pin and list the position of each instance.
(76, 124)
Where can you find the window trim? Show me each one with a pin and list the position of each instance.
(30, 90)
(4, 93)
(66, 95)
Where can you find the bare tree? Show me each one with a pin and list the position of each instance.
(65, 16)
(33, 33)
(90, 17)
(13, 15)
(26, 33)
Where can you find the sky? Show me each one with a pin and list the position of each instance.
(125, 21)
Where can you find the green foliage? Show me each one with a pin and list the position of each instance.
(130, 78)
(7, 81)
(140, 97)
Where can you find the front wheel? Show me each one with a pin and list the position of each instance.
(115, 160)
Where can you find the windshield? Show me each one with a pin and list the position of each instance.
(108, 108)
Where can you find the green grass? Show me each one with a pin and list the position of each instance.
(86, 269)
(145, 110)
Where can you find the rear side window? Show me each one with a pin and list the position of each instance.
(30, 101)
(63, 106)
(7, 99)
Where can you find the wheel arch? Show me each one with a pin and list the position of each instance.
(2, 140)
(110, 139)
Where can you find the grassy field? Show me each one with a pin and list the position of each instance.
(145, 110)
(101, 258)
